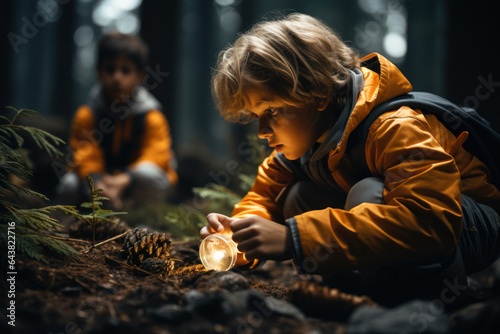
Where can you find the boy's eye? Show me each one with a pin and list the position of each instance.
(272, 111)
(110, 69)
(126, 70)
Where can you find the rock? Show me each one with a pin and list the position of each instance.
(192, 295)
(215, 306)
(226, 280)
(110, 325)
(255, 301)
(416, 316)
(71, 291)
(170, 313)
(223, 307)
(477, 318)
(283, 308)
(106, 288)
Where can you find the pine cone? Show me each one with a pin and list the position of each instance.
(140, 245)
(323, 302)
(158, 266)
(103, 230)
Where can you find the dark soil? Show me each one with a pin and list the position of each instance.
(100, 293)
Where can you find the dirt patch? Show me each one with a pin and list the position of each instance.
(99, 292)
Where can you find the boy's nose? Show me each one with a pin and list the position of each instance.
(265, 130)
(117, 75)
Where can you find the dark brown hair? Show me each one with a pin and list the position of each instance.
(115, 44)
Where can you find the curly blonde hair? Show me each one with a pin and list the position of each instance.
(297, 59)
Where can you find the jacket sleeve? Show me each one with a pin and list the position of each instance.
(156, 145)
(421, 217)
(264, 199)
(87, 155)
(269, 185)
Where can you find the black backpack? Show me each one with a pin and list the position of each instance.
(483, 142)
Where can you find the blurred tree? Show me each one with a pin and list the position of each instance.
(472, 66)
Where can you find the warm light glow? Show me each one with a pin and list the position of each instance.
(218, 252)
(218, 255)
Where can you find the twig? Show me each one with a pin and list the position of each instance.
(106, 241)
(128, 266)
(67, 239)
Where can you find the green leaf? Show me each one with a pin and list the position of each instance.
(110, 213)
(88, 217)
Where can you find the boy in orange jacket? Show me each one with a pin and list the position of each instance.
(410, 225)
(120, 136)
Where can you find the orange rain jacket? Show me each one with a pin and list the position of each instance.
(425, 171)
(110, 142)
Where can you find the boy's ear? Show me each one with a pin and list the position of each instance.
(323, 104)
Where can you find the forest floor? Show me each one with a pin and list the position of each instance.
(99, 292)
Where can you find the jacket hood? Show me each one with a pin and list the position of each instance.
(140, 102)
(377, 81)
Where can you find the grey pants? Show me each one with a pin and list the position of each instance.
(478, 248)
(149, 185)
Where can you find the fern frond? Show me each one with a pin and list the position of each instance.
(36, 244)
(39, 219)
(108, 213)
(9, 131)
(29, 222)
(10, 164)
(4, 203)
(42, 138)
(9, 186)
(30, 248)
(91, 218)
(23, 113)
(86, 205)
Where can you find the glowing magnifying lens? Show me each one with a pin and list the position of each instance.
(218, 252)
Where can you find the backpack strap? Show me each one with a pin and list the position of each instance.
(456, 119)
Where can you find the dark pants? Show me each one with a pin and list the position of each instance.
(443, 278)
(149, 185)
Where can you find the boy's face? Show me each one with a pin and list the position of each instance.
(119, 76)
(288, 129)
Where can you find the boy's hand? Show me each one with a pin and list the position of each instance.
(217, 223)
(113, 187)
(260, 238)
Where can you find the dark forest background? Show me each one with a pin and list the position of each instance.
(447, 47)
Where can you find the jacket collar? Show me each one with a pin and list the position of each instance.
(336, 133)
(377, 81)
(140, 102)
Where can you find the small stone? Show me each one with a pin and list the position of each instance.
(71, 291)
(226, 280)
(281, 307)
(481, 317)
(170, 313)
(110, 325)
(215, 306)
(106, 287)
